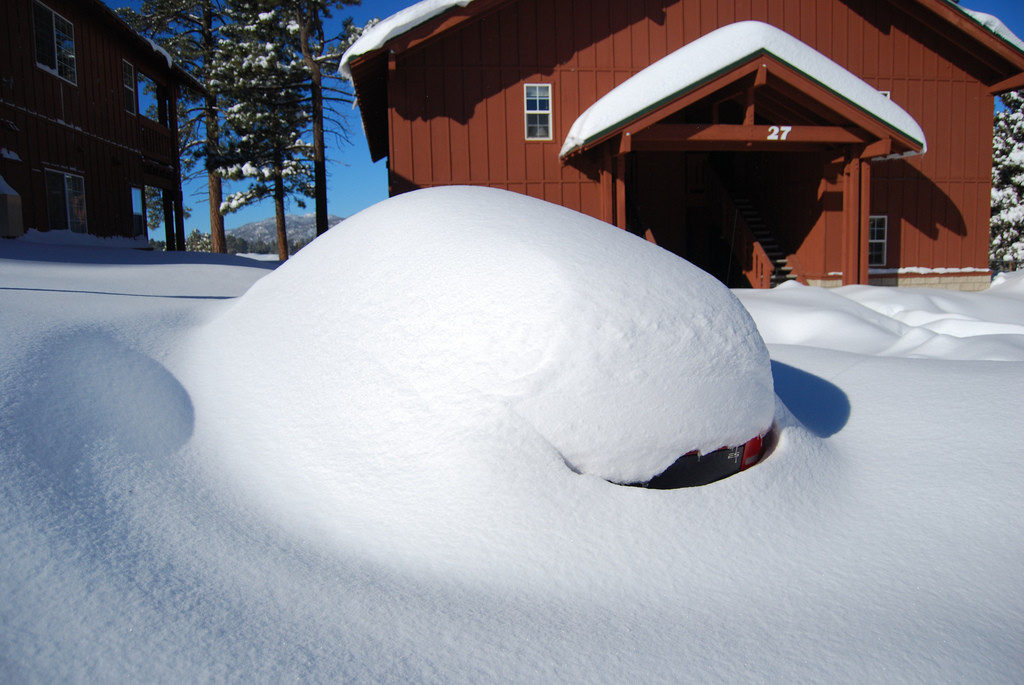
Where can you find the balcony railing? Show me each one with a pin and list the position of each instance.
(157, 142)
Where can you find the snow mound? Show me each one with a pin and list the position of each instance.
(896, 322)
(91, 390)
(442, 320)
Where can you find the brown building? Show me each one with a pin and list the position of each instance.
(837, 141)
(88, 118)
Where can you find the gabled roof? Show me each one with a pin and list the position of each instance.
(979, 25)
(990, 39)
(996, 26)
(399, 23)
(366, 61)
(721, 52)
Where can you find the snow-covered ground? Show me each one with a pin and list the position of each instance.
(201, 485)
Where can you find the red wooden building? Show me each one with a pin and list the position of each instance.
(78, 144)
(848, 141)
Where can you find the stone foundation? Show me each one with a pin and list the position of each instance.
(966, 282)
(972, 281)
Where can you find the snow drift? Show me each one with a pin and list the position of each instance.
(151, 528)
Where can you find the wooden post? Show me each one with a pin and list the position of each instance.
(865, 220)
(856, 214)
(607, 187)
(169, 237)
(620, 191)
(179, 218)
(748, 112)
(176, 198)
(852, 221)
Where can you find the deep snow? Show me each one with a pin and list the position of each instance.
(150, 526)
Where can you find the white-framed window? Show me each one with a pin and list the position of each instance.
(65, 201)
(128, 78)
(138, 212)
(878, 229)
(538, 111)
(150, 104)
(55, 43)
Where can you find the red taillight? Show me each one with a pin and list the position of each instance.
(752, 452)
(693, 469)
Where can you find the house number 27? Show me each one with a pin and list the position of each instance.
(779, 132)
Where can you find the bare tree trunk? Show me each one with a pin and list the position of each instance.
(307, 20)
(319, 156)
(218, 241)
(282, 232)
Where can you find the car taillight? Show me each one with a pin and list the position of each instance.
(752, 452)
(694, 469)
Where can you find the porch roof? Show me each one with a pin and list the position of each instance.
(649, 95)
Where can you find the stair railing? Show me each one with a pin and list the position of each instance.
(747, 251)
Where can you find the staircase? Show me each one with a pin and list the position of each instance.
(783, 271)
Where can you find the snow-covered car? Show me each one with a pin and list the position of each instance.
(465, 317)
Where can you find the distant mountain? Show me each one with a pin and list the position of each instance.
(301, 228)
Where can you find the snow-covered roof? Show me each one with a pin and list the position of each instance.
(160, 51)
(716, 52)
(405, 20)
(995, 25)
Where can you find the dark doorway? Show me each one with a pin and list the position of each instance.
(668, 199)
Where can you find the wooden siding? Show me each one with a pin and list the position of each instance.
(81, 128)
(456, 111)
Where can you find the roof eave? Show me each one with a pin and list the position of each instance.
(143, 45)
(369, 81)
(955, 17)
(1005, 86)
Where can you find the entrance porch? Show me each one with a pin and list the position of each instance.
(758, 170)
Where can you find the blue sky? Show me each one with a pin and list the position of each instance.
(355, 182)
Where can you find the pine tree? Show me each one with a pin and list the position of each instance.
(260, 78)
(189, 30)
(317, 51)
(198, 242)
(1007, 223)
